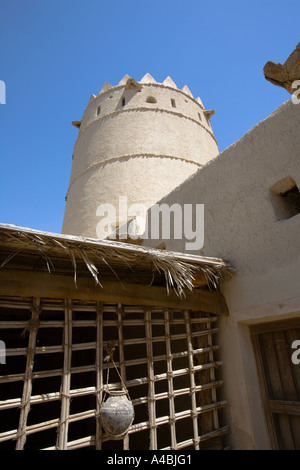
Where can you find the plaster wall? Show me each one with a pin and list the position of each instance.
(243, 226)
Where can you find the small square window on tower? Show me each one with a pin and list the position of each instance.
(285, 198)
(173, 103)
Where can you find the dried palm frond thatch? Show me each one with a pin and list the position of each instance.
(103, 258)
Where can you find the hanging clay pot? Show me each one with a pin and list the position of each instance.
(117, 414)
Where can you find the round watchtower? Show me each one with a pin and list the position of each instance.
(137, 139)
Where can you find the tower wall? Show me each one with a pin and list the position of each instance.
(140, 142)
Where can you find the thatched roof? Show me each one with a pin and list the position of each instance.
(27, 249)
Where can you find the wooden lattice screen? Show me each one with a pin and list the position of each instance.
(52, 384)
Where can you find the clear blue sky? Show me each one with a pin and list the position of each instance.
(55, 53)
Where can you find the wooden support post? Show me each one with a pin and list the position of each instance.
(62, 437)
(27, 388)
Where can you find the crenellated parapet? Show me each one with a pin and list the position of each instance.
(127, 87)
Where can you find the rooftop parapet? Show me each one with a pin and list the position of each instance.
(130, 83)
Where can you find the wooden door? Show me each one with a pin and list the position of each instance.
(279, 374)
